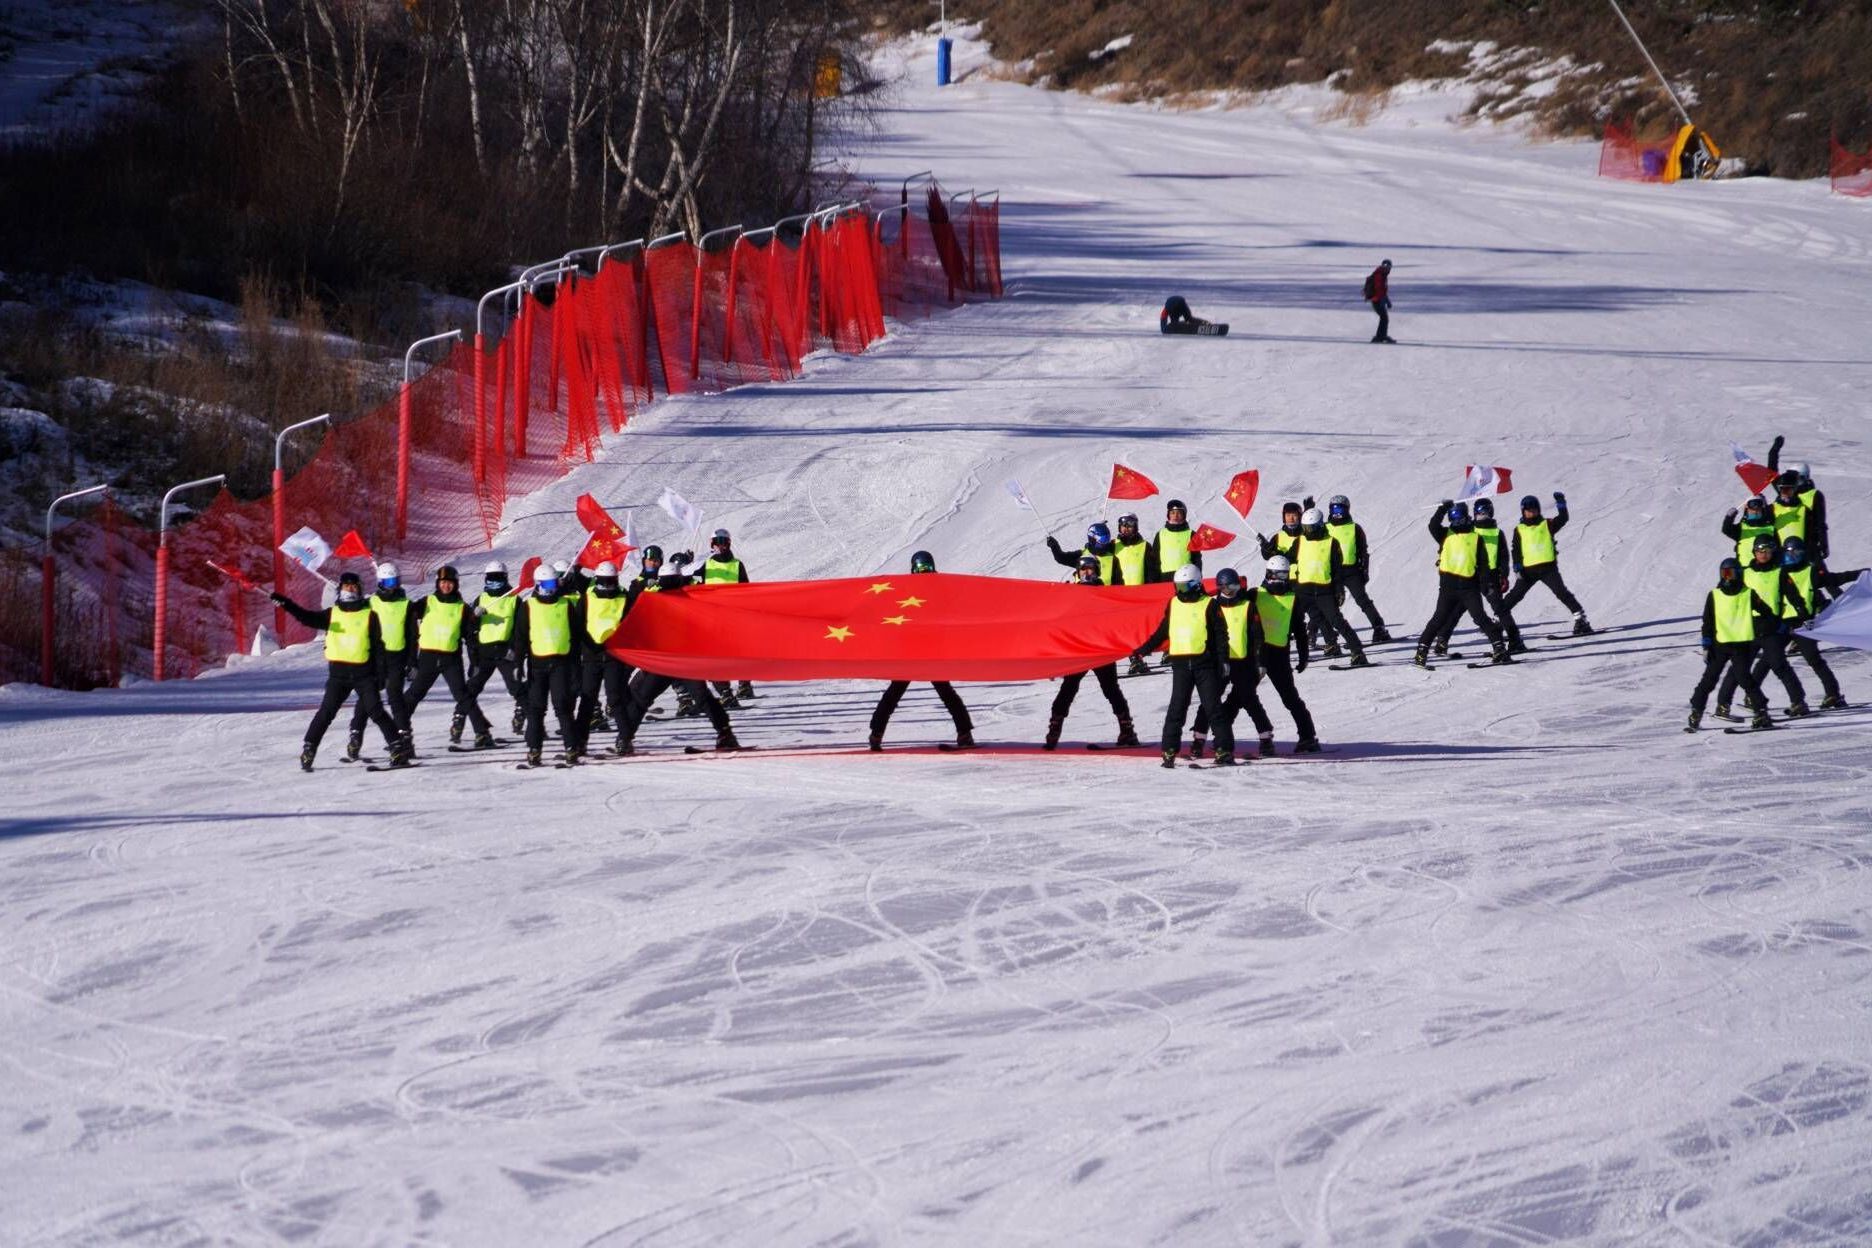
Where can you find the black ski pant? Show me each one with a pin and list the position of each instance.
(609, 673)
(392, 670)
(1201, 675)
(646, 687)
(341, 681)
(1547, 574)
(1456, 594)
(951, 700)
(1319, 603)
(1809, 649)
(551, 679)
(1107, 676)
(496, 658)
(1733, 655)
(1383, 308)
(448, 665)
(1770, 656)
(1355, 584)
(1276, 663)
(1504, 619)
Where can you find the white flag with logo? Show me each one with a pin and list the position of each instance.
(1848, 621)
(1485, 479)
(307, 549)
(1020, 496)
(681, 510)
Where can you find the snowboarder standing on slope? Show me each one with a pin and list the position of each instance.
(1378, 294)
(1733, 616)
(1087, 573)
(1170, 548)
(1536, 559)
(1771, 583)
(1493, 579)
(1459, 558)
(1809, 581)
(1198, 637)
(353, 640)
(439, 618)
(1317, 564)
(920, 563)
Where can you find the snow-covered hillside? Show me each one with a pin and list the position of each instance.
(1518, 963)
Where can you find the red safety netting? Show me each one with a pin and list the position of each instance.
(1851, 171)
(425, 477)
(1630, 159)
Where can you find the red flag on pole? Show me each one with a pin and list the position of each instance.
(608, 543)
(526, 574)
(1242, 490)
(1485, 479)
(1757, 477)
(1208, 537)
(1129, 483)
(233, 574)
(352, 547)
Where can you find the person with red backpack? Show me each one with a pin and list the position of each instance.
(1378, 294)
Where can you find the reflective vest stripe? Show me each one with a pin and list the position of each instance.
(549, 628)
(1458, 556)
(721, 572)
(1346, 535)
(1172, 550)
(497, 619)
(1803, 581)
(394, 621)
(1537, 543)
(1276, 612)
(602, 616)
(1315, 561)
(441, 627)
(1235, 615)
(1189, 627)
(1766, 582)
(1735, 615)
(347, 638)
(1131, 562)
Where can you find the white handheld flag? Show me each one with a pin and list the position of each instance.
(1485, 479)
(1848, 621)
(307, 549)
(1020, 496)
(681, 510)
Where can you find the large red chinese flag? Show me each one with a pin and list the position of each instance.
(1130, 483)
(1208, 537)
(933, 626)
(606, 544)
(1242, 490)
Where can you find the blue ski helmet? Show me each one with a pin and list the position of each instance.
(922, 561)
(1228, 582)
(1793, 551)
(1459, 513)
(1484, 509)
(1098, 534)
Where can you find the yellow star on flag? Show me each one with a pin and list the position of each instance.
(836, 634)
(896, 619)
(879, 588)
(912, 601)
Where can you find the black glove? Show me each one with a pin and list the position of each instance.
(279, 599)
(1774, 451)
(1446, 504)
(1053, 545)
(1307, 502)
(1301, 665)
(1559, 500)
(1730, 514)
(683, 556)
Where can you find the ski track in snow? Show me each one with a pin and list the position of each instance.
(1519, 964)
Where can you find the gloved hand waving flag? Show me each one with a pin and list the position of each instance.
(1485, 479)
(1755, 476)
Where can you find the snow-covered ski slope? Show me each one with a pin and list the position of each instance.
(1519, 963)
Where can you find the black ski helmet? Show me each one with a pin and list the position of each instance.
(1128, 521)
(1175, 504)
(1766, 543)
(1757, 506)
(1530, 503)
(1459, 515)
(1228, 582)
(1729, 571)
(1788, 482)
(447, 572)
(1793, 551)
(652, 557)
(1088, 564)
(1484, 509)
(922, 561)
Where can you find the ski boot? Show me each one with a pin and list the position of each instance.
(401, 755)
(1723, 712)
(686, 707)
(306, 752)
(1798, 710)
(1137, 667)
(1224, 758)
(623, 747)
(1422, 657)
(877, 742)
(1378, 635)
(744, 690)
(570, 758)
(484, 740)
(1833, 702)
(1332, 650)
(1359, 660)
(1052, 734)
(1501, 654)
(1169, 758)
(1266, 741)
(1441, 649)
(1696, 721)
(1307, 745)
(1517, 646)
(1197, 746)
(519, 719)
(725, 741)
(354, 745)
(534, 757)
(1580, 627)
(457, 722)
(725, 695)
(1127, 736)
(1761, 721)
(965, 741)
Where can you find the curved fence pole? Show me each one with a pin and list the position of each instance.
(403, 430)
(480, 379)
(162, 566)
(279, 518)
(49, 579)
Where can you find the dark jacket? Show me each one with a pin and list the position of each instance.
(321, 620)
(1296, 635)
(1555, 523)
(420, 608)
(1766, 621)
(522, 646)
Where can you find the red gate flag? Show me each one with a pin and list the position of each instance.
(1755, 476)
(1130, 483)
(1242, 490)
(526, 574)
(352, 547)
(608, 542)
(1208, 537)
(933, 626)
(1484, 479)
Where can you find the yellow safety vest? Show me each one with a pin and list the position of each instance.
(1105, 565)
(393, 618)
(1537, 543)
(1735, 615)
(1131, 561)
(1790, 521)
(721, 572)
(1172, 550)
(1284, 542)
(549, 628)
(1492, 543)
(1235, 615)
(1458, 556)
(1346, 535)
(1276, 612)
(1807, 498)
(347, 637)
(1766, 582)
(1315, 561)
(1745, 545)
(439, 630)
(1803, 581)
(1189, 627)
(603, 615)
(497, 619)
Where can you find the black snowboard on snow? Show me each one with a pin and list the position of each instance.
(1208, 329)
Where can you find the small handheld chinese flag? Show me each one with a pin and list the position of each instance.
(1130, 483)
(1757, 477)
(1208, 537)
(1242, 490)
(608, 543)
(526, 574)
(351, 546)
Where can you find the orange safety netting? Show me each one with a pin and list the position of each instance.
(426, 477)
(1851, 172)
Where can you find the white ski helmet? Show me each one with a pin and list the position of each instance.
(386, 571)
(563, 568)
(496, 568)
(607, 568)
(1279, 566)
(720, 538)
(1311, 517)
(1186, 576)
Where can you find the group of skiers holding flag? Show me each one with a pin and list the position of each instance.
(554, 637)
